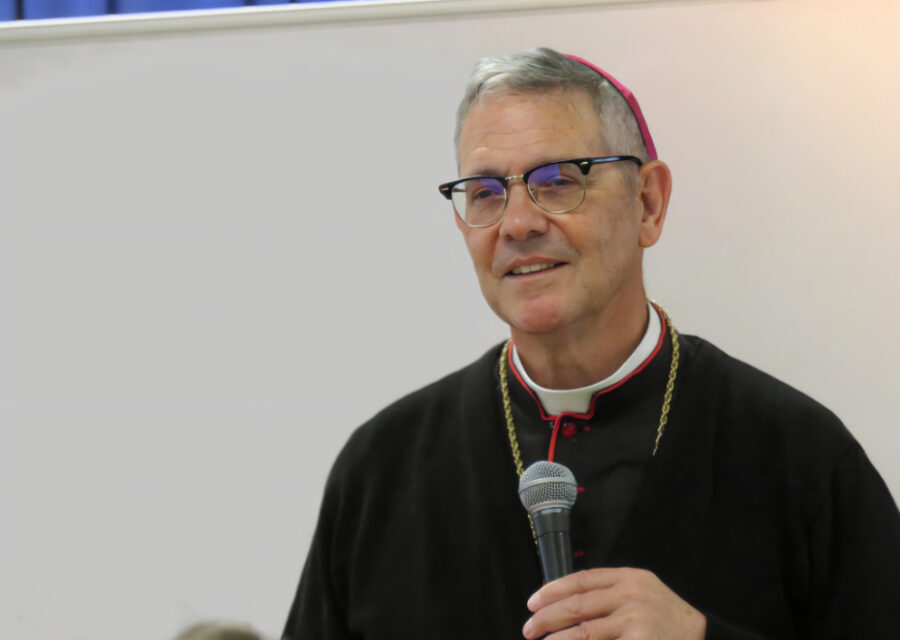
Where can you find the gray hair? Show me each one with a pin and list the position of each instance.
(543, 70)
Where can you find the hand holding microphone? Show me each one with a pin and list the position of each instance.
(548, 492)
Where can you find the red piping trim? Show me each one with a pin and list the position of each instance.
(552, 450)
(590, 413)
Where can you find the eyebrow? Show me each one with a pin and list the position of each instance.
(493, 173)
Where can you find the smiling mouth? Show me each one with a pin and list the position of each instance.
(533, 268)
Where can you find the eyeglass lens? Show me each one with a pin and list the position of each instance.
(556, 188)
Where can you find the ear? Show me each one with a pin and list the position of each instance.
(656, 187)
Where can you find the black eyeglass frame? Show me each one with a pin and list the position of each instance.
(583, 164)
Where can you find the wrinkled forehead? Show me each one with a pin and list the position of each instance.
(575, 101)
(511, 115)
(506, 130)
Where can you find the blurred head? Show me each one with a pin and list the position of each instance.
(218, 631)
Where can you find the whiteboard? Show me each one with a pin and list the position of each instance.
(191, 326)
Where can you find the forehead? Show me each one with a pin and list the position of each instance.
(511, 132)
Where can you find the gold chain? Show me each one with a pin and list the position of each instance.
(511, 425)
(670, 384)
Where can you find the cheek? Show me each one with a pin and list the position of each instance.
(607, 246)
(480, 249)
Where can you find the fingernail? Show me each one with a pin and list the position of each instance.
(532, 602)
(526, 630)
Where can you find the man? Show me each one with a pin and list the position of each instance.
(714, 501)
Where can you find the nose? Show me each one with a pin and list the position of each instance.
(523, 219)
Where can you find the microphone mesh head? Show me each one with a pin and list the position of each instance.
(547, 484)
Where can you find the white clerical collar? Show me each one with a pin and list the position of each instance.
(556, 401)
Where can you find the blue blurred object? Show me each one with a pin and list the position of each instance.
(149, 6)
(42, 9)
(7, 10)
(39, 9)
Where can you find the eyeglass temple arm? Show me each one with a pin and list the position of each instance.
(586, 164)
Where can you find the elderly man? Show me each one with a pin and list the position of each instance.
(713, 501)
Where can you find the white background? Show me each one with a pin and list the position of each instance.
(223, 249)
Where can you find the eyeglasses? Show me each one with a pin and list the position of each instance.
(557, 187)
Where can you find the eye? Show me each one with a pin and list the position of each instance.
(559, 181)
(555, 176)
(484, 189)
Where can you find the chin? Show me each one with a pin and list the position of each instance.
(535, 320)
(538, 314)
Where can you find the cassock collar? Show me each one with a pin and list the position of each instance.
(557, 401)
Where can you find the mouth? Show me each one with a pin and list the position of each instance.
(526, 269)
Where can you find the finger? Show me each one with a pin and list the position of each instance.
(598, 629)
(566, 586)
(574, 610)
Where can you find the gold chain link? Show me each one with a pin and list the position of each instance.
(670, 384)
(511, 425)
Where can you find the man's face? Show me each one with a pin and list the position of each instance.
(590, 258)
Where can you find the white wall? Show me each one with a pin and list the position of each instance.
(190, 326)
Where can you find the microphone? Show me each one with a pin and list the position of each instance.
(547, 491)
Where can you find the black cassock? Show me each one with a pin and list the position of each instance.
(759, 509)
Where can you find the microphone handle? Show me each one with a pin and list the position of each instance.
(551, 526)
(556, 555)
